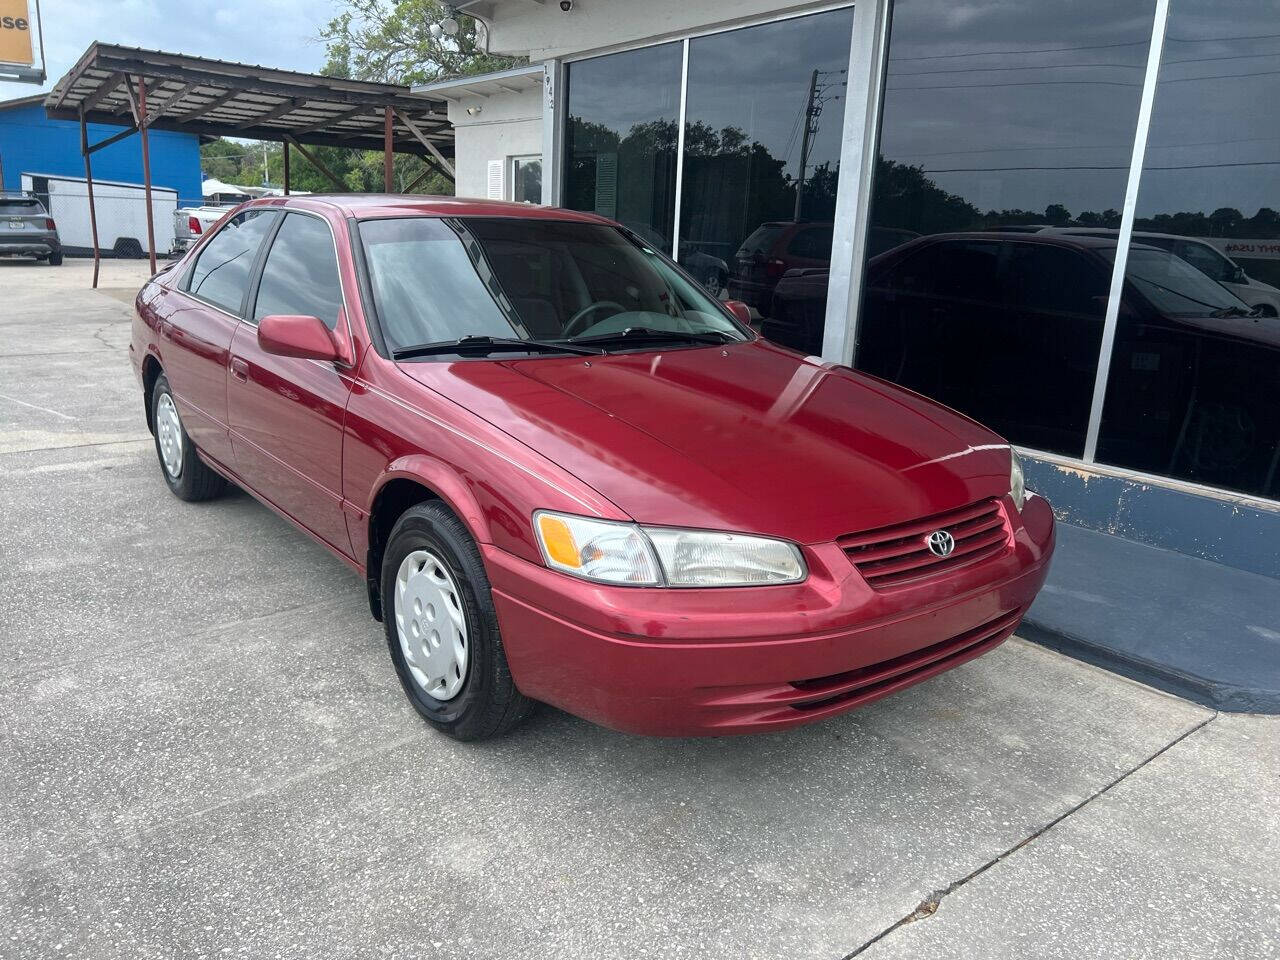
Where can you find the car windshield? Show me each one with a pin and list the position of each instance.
(20, 208)
(441, 279)
(1175, 287)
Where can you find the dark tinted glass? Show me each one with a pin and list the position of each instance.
(439, 280)
(20, 208)
(221, 271)
(1012, 327)
(763, 116)
(1194, 380)
(1013, 120)
(620, 141)
(300, 275)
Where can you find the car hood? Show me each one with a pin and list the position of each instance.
(748, 437)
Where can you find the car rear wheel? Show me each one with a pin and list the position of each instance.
(183, 470)
(442, 627)
(55, 259)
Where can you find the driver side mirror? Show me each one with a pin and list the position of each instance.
(289, 335)
(741, 312)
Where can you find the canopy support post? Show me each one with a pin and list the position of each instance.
(143, 122)
(88, 179)
(319, 165)
(387, 158)
(285, 150)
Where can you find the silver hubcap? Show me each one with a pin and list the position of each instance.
(431, 625)
(169, 430)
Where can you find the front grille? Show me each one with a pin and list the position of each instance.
(899, 554)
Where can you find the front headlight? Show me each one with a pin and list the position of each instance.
(631, 555)
(1017, 483)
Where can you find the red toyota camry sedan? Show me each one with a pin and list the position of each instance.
(569, 475)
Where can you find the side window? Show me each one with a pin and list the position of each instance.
(812, 243)
(1052, 279)
(221, 271)
(300, 275)
(1206, 260)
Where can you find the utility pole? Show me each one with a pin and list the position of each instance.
(810, 114)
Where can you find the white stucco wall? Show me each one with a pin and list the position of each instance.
(504, 125)
(543, 31)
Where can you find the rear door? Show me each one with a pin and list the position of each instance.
(286, 413)
(198, 321)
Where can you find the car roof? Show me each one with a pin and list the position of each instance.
(382, 205)
(1056, 239)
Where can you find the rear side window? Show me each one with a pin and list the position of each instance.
(221, 271)
(300, 275)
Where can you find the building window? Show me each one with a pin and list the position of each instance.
(526, 179)
(1192, 391)
(620, 140)
(764, 113)
(1007, 135)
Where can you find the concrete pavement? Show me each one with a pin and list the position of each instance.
(205, 753)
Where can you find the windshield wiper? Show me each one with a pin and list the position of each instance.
(484, 345)
(649, 333)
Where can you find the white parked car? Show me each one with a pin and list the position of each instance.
(1202, 255)
(191, 223)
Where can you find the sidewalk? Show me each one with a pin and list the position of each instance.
(1196, 628)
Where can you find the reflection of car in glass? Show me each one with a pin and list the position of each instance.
(26, 229)
(710, 271)
(797, 313)
(1202, 255)
(944, 313)
(769, 252)
(568, 474)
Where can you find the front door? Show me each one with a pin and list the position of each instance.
(286, 413)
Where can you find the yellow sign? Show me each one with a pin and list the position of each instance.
(15, 33)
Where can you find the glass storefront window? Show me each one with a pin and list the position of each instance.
(620, 140)
(763, 121)
(1195, 372)
(1007, 133)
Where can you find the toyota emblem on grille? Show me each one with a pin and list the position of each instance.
(941, 543)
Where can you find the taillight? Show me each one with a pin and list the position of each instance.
(193, 224)
(49, 224)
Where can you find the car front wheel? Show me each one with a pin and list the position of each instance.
(442, 628)
(183, 470)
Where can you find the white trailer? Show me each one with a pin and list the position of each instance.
(122, 214)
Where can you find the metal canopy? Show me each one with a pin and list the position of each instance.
(219, 98)
(145, 89)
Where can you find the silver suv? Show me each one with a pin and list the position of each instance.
(26, 229)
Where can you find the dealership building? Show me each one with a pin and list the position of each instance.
(1062, 219)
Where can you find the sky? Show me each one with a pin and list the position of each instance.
(272, 33)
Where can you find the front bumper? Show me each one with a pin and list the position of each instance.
(709, 662)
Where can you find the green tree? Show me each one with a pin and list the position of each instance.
(391, 41)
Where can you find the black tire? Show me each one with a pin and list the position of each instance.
(55, 259)
(195, 481)
(488, 703)
(127, 248)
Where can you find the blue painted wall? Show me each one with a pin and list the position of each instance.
(1226, 529)
(32, 143)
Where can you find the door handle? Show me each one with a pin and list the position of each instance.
(240, 369)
